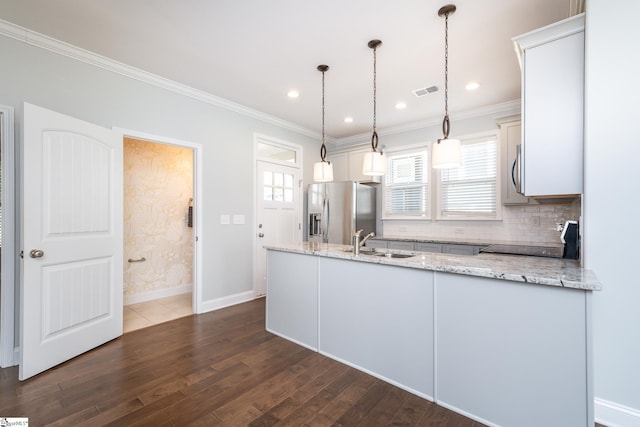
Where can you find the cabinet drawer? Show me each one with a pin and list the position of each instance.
(458, 249)
(376, 244)
(429, 247)
(405, 246)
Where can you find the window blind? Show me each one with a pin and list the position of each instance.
(470, 190)
(407, 184)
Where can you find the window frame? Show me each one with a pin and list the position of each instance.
(473, 216)
(435, 190)
(427, 214)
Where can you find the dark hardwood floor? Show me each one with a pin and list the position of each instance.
(216, 369)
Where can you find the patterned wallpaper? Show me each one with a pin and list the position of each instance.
(158, 183)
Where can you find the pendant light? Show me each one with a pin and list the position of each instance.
(375, 162)
(323, 170)
(446, 153)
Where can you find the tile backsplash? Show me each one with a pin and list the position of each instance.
(520, 224)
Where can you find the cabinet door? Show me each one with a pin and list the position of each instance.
(405, 246)
(510, 137)
(340, 164)
(429, 247)
(448, 248)
(376, 243)
(553, 86)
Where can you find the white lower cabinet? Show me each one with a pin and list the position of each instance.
(512, 354)
(292, 297)
(503, 353)
(379, 319)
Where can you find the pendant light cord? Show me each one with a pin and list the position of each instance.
(323, 148)
(373, 44)
(445, 123)
(375, 89)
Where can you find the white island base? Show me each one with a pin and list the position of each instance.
(501, 352)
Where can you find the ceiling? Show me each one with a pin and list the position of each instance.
(252, 52)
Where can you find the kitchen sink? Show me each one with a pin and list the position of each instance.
(391, 255)
(379, 253)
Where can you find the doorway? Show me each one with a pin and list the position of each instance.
(8, 286)
(194, 207)
(278, 200)
(12, 309)
(158, 232)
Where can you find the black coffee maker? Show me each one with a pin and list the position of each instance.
(571, 239)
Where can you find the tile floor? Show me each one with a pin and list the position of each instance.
(141, 315)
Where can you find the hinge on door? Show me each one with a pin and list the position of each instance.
(21, 254)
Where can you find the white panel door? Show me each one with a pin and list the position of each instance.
(71, 286)
(278, 212)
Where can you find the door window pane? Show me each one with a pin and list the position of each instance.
(268, 193)
(279, 154)
(278, 187)
(288, 195)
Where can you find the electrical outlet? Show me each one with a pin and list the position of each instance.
(238, 219)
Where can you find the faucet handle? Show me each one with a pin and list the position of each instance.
(357, 233)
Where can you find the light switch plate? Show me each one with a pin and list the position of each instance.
(225, 219)
(238, 219)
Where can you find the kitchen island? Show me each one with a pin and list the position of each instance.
(505, 340)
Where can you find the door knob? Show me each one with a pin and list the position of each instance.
(261, 235)
(36, 253)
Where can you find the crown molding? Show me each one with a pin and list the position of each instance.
(496, 111)
(33, 38)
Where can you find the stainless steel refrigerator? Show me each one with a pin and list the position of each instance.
(337, 209)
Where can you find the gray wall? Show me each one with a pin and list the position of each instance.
(34, 75)
(611, 204)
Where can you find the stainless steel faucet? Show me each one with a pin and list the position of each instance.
(357, 243)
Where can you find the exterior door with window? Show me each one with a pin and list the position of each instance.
(71, 284)
(278, 217)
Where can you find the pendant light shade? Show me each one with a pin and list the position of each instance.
(375, 162)
(323, 170)
(446, 153)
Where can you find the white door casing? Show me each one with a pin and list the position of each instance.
(197, 302)
(71, 295)
(278, 212)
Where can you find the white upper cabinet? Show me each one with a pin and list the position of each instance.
(552, 62)
(510, 139)
(340, 164)
(347, 166)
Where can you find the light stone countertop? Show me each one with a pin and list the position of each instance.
(526, 269)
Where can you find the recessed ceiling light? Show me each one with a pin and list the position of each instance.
(472, 86)
(293, 93)
(401, 105)
(348, 119)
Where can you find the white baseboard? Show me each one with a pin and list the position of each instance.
(218, 303)
(157, 294)
(615, 415)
